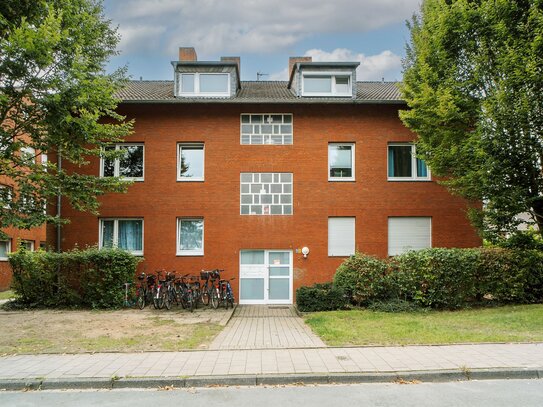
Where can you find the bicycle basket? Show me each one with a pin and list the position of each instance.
(141, 277)
(204, 275)
(215, 274)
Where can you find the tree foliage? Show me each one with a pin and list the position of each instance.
(55, 98)
(473, 81)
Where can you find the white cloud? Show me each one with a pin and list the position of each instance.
(247, 26)
(372, 67)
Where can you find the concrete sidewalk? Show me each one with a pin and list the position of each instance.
(272, 366)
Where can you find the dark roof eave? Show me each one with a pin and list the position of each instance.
(263, 101)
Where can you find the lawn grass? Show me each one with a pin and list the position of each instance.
(521, 323)
(6, 295)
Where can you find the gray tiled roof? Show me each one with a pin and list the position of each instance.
(257, 92)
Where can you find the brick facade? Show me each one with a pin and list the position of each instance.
(160, 199)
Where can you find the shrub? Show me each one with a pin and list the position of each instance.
(439, 278)
(320, 297)
(363, 278)
(89, 278)
(395, 305)
(444, 278)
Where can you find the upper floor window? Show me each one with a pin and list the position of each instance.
(204, 84)
(5, 248)
(403, 164)
(326, 84)
(190, 162)
(341, 162)
(266, 193)
(128, 166)
(6, 196)
(266, 129)
(28, 154)
(125, 234)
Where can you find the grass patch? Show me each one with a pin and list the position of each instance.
(7, 295)
(522, 323)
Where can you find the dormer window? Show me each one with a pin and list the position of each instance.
(204, 84)
(326, 84)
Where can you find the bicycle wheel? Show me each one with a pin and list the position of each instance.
(167, 300)
(140, 300)
(214, 298)
(225, 298)
(155, 298)
(190, 302)
(205, 297)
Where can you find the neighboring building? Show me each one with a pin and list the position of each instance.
(244, 175)
(32, 239)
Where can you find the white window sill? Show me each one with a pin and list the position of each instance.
(341, 179)
(328, 95)
(410, 179)
(4, 259)
(190, 179)
(189, 253)
(340, 255)
(204, 95)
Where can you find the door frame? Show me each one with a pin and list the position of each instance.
(266, 278)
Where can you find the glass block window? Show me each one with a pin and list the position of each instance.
(266, 129)
(265, 193)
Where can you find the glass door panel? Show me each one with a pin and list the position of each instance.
(279, 276)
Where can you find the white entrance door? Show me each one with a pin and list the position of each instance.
(265, 277)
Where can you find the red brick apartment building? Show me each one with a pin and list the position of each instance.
(276, 182)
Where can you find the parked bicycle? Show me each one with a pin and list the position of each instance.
(226, 294)
(146, 286)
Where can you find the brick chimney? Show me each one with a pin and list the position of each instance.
(233, 59)
(293, 60)
(187, 54)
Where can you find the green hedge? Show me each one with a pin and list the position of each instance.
(320, 297)
(79, 278)
(445, 278)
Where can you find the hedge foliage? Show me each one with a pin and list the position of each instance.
(445, 278)
(432, 278)
(320, 297)
(78, 278)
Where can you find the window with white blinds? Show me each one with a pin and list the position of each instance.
(341, 236)
(408, 233)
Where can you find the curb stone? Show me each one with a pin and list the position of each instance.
(227, 380)
(148, 382)
(20, 384)
(292, 379)
(77, 383)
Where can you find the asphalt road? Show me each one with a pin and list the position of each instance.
(494, 393)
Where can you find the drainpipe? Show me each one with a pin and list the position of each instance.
(59, 202)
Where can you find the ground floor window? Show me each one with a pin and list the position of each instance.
(341, 236)
(27, 245)
(125, 234)
(190, 237)
(5, 248)
(408, 233)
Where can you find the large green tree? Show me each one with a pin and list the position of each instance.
(55, 98)
(473, 82)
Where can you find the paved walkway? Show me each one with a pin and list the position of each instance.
(273, 361)
(266, 327)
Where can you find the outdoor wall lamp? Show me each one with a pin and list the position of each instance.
(305, 251)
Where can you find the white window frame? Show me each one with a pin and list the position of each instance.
(9, 195)
(409, 247)
(333, 75)
(330, 254)
(8, 249)
(342, 179)
(413, 176)
(283, 135)
(31, 152)
(30, 242)
(197, 91)
(116, 234)
(180, 252)
(116, 163)
(191, 179)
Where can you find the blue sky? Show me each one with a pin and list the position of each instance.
(264, 33)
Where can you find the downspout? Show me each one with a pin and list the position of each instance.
(59, 203)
